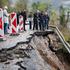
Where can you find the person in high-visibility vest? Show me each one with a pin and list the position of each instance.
(6, 20)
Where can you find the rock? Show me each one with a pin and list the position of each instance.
(7, 63)
(3, 59)
(10, 56)
(26, 55)
(21, 67)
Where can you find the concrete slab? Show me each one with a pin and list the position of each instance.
(11, 41)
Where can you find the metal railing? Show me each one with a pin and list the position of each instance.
(60, 35)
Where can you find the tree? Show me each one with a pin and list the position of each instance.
(21, 5)
(3, 3)
(11, 9)
(40, 6)
(62, 16)
(34, 7)
(53, 17)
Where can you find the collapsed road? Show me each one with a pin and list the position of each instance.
(42, 51)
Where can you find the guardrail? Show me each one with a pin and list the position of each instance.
(60, 35)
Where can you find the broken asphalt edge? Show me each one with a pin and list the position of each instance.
(37, 33)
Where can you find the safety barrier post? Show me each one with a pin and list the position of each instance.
(13, 19)
(1, 25)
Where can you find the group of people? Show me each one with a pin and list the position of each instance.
(39, 19)
(24, 14)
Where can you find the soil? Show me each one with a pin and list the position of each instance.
(36, 55)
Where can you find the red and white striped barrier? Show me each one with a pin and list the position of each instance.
(13, 19)
(1, 24)
(21, 23)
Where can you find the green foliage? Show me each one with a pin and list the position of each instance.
(53, 17)
(66, 33)
(34, 6)
(40, 6)
(62, 16)
(21, 5)
(3, 3)
(11, 9)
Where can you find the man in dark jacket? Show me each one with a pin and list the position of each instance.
(30, 20)
(18, 14)
(47, 19)
(41, 21)
(35, 20)
(24, 14)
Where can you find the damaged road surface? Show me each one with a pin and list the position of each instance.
(38, 54)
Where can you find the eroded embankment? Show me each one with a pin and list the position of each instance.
(36, 55)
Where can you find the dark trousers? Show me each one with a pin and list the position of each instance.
(46, 24)
(24, 25)
(5, 27)
(43, 26)
(40, 25)
(30, 24)
(35, 26)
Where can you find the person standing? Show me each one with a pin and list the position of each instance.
(47, 19)
(24, 14)
(35, 20)
(41, 25)
(30, 20)
(18, 14)
(6, 19)
(42, 21)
